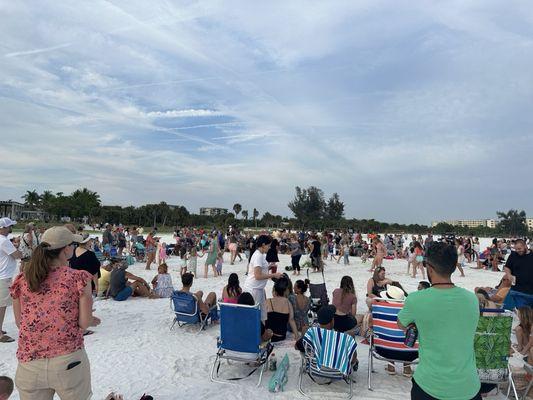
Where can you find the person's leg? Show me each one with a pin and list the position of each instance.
(520, 338)
(2, 315)
(460, 268)
(124, 294)
(205, 270)
(141, 290)
(418, 394)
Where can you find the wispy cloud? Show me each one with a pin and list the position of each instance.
(36, 51)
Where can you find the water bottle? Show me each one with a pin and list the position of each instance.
(411, 334)
(273, 363)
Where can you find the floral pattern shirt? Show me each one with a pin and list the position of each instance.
(49, 318)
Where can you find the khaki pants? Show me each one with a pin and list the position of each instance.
(40, 379)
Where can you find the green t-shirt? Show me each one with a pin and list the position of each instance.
(446, 320)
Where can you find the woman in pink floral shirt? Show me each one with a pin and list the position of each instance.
(53, 306)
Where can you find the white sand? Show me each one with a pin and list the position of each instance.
(134, 352)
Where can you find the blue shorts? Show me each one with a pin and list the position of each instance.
(124, 294)
(516, 299)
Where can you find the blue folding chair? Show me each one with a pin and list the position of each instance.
(186, 311)
(240, 340)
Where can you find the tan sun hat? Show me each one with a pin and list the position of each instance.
(59, 236)
(392, 293)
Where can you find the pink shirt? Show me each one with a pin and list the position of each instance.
(49, 318)
(344, 306)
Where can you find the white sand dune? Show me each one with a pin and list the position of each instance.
(134, 352)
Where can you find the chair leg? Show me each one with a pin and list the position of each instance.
(173, 323)
(512, 385)
(261, 372)
(369, 369)
(214, 368)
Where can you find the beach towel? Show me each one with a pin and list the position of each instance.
(332, 349)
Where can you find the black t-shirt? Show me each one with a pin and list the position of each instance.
(316, 248)
(522, 268)
(86, 262)
(272, 253)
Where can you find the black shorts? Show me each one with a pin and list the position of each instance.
(343, 323)
(418, 394)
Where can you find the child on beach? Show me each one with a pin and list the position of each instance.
(220, 261)
(192, 261)
(183, 260)
(162, 249)
(162, 282)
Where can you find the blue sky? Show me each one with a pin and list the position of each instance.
(411, 111)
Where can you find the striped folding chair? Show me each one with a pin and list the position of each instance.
(387, 338)
(327, 356)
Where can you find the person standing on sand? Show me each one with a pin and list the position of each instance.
(212, 254)
(519, 269)
(447, 368)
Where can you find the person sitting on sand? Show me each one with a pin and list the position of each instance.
(232, 291)
(6, 387)
(301, 305)
(204, 305)
(248, 300)
(162, 282)
(524, 333)
(105, 276)
(120, 287)
(280, 312)
(345, 301)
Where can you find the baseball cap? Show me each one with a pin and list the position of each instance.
(6, 222)
(326, 314)
(59, 236)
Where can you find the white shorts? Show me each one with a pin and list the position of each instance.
(5, 297)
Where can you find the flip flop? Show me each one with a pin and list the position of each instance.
(3, 332)
(88, 332)
(6, 339)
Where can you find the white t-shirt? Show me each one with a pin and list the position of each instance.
(8, 264)
(258, 260)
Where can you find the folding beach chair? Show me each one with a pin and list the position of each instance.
(387, 338)
(186, 311)
(318, 295)
(327, 356)
(491, 345)
(240, 340)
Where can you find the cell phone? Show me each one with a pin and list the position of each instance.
(73, 364)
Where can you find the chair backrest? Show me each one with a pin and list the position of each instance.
(492, 343)
(185, 307)
(240, 327)
(319, 291)
(387, 334)
(329, 350)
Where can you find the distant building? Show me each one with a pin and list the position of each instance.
(212, 211)
(529, 223)
(17, 211)
(468, 223)
(11, 209)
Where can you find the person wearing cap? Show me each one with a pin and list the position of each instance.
(84, 259)
(447, 367)
(8, 264)
(51, 355)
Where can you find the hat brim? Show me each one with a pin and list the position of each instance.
(11, 223)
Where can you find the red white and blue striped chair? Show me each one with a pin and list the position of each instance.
(387, 338)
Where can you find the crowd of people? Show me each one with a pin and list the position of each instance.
(62, 265)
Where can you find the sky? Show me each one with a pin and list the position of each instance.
(413, 111)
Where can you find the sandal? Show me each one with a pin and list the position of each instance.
(6, 339)
(88, 332)
(407, 372)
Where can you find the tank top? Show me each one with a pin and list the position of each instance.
(277, 321)
(376, 289)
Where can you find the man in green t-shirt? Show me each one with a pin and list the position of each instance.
(446, 317)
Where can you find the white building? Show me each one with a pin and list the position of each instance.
(212, 211)
(468, 223)
(529, 223)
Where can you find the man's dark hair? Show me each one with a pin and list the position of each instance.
(246, 299)
(6, 386)
(186, 279)
(262, 240)
(442, 257)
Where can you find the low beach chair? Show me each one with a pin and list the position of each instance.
(327, 356)
(492, 343)
(387, 338)
(240, 340)
(186, 311)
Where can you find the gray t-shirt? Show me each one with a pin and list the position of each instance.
(117, 281)
(296, 250)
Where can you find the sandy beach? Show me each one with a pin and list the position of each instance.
(134, 352)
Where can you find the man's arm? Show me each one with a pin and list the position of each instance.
(405, 316)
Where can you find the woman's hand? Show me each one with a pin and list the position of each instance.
(95, 322)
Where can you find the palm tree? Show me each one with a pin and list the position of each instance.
(31, 198)
(255, 215)
(245, 214)
(237, 208)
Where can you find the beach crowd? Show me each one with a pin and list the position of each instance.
(50, 278)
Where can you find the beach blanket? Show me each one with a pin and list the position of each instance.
(332, 349)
